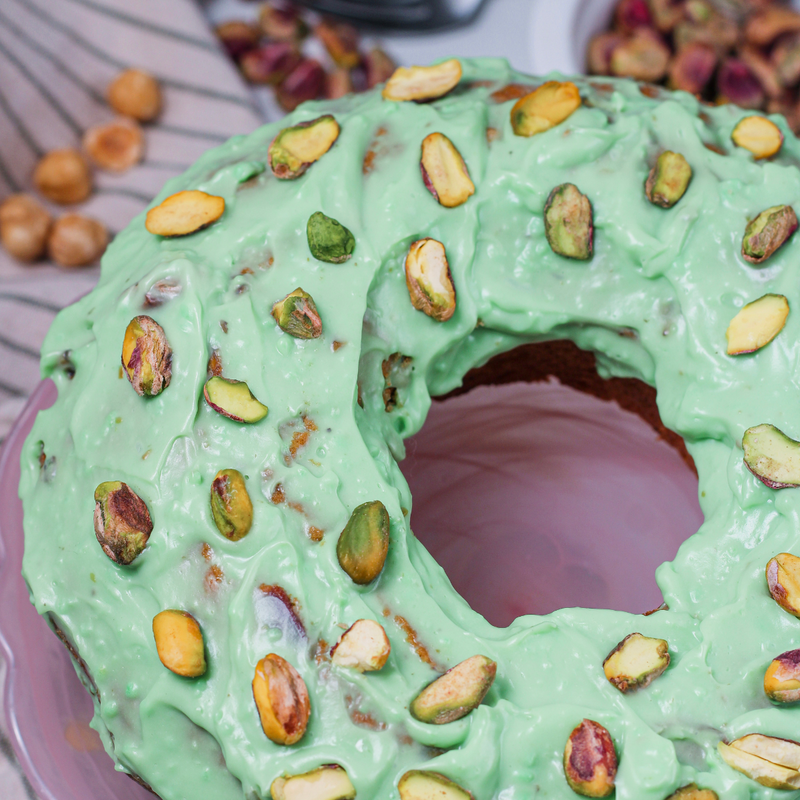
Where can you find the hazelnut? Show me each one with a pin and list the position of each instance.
(136, 94)
(24, 225)
(76, 241)
(115, 146)
(63, 176)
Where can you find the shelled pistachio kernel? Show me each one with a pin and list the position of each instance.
(772, 456)
(590, 761)
(568, 222)
(761, 136)
(636, 661)
(544, 108)
(444, 172)
(423, 83)
(184, 213)
(456, 693)
(783, 581)
(757, 324)
(231, 506)
(668, 180)
(122, 521)
(770, 230)
(420, 784)
(179, 642)
(428, 278)
(767, 760)
(233, 399)
(146, 356)
(364, 542)
(782, 678)
(693, 792)
(364, 646)
(328, 782)
(295, 149)
(281, 699)
(297, 315)
(328, 239)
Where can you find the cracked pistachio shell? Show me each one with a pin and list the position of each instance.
(419, 784)
(233, 399)
(329, 240)
(444, 172)
(364, 542)
(146, 356)
(636, 661)
(772, 456)
(297, 315)
(456, 693)
(761, 136)
(179, 642)
(184, 213)
(783, 581)
(568, 222)
(423, 83)
(767, 232)
(767, 760)
(668, 180)
(782, 678)
(122, 521)
(428, 279)
(757, 324)
(328, 782)
(281, 699)
(295, 149)
(230, 504)
(544, 108)
(590, 761)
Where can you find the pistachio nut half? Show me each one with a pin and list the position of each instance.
(767, 760)
(179, 642)
(122, 521)
(233, 399)
(328, 239)
(636, 662)
(184, 213)
(231, 506)
(568, 222)
(444, 172)
(295, 149)
(783, 581)
(761, 136)
(757, 324)
(668, 180)
(782, 678)
(770, 230)
(421, 784)
(297, 315)
(364, 542)
(772, 456)
(428, 279)
(328, 782)
(423, 83)
(544, 108)
(590, 761)
(281, 699)
(146, 356)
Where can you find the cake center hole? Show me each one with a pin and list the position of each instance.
(535, 497)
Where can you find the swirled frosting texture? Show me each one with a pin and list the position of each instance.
(674, 277)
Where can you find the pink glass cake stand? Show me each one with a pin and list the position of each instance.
(532, 497)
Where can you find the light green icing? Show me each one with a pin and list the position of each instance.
(676, 277)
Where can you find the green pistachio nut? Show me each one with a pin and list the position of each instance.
(568, 222)
(329, 240)
(420, 784)
(231, 506)
(122, 521)
(295, 149)
(693, 792)
(456, 693)
(297, 315)
(328, 782)
(146, 356)
(668, 180)
(233, 399)
(364, 542)
(767, 232)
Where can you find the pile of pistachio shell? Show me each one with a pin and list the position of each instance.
(724, 51)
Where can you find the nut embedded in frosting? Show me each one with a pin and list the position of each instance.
(328, 782)
(364, 542)
(568, 222)
(428, 278)
(233, 399)
(782, 678)
(636, 662)
(456, 693)
(420, 784)
(757, 324)
(770, 230)
(761, 136)
(231, 506)
(544, 108)
(444, 172)
(590, 761)
(423, 83)
(122, 521)
(295, 149)
(179, 642)
(146, 356)
(783, 581)
(693, 792)
(772, 456)
(281, 699)
(668, 180)
(184, 213)
(297, 315)
(768, 760)
(328, 239)
(363, 646)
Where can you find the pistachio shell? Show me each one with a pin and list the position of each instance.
(184, 213)
(146, 356)
(770, 230)
(297, 315)
(179, 642)
(231, 506)
(364, 542)
(233, 399)
(668, 180)
(122, 521)
(328, 239)
(295, 149)
(568, 222)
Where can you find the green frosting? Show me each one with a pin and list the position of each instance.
(674, 277)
